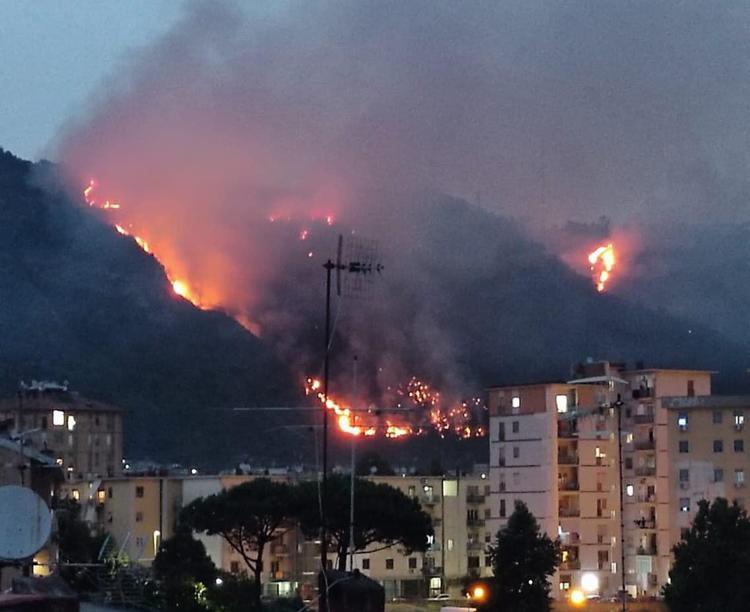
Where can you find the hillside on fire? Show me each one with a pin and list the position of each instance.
(467, 299)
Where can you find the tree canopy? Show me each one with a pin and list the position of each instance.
(523, 559)
(383, 515)
(712, 561)
(247, 517)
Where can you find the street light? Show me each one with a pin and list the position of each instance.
(577, 598)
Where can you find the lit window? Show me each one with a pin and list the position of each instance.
(71, 422)
(630, 490)
(58, 418)
(450, 543)
(59, 461)
(101, 495)
(628, 438)
(739, 477)
(739, 419)
(684, 504)
(561, 401)
(515, 402)
(682, 421)
(75, 494)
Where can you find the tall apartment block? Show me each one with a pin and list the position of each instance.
(572, 450)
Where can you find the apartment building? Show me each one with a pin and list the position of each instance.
(555, 446)
(459, 511)
(84, 436)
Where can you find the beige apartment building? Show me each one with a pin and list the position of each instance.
(84, 436)
(555, 446)
(458, 506)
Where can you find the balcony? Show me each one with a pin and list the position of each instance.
(643, 419)
(643, 393)
(645, 471)
(572, 564)
(474, 546)
(567, 459)
(569, 512)
(644, 523)
(647, 499)
(568, 486)
(475, 498)
(566, 430)
(429, 500)
(641, 445)
(474, 522)
(647, 550)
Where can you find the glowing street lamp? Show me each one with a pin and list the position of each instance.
(577, 598)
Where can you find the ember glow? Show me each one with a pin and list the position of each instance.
(602, 262)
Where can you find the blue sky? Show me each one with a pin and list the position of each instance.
(53, 55)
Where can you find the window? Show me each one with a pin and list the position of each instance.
(412, 563)
(516, 452)
(516, 426)
(75, 494)
(412, 490)
(139, 517)
(101, 496)
(718, 446)
(739, 446)
(450, 544)
(473, 563)
(684, 446)
(44, 422)
(389, 564)
(501, 432)
(501, 456)
(684, 504)
(739, 419)
(139, 543)
(58, 418)
(502, 508)
(629, 490)
(488, 561)
(628, 463)
(109, 492)
(515, 402)
(71, 422)
(516, 478)
(139, 491)
(561, 401)
(684, 475)
(682, 421)
(718, 475)
(717, 417)
(234, 567)
(691, 388)
(365, 563)
(739, 477)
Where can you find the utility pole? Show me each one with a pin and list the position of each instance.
(353, 474)
(363, 265)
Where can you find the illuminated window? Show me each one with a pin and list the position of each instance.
(684, 504)
(739, 419)
(58, 418)
(682, 421)
(75, 494)
(59, 461)
(739, 477)
(561, 401)
(515, 402)
(630, 490)
(101, 495)
(71, 422)
(450, 543)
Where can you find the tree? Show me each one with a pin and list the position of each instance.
(372, 463)
(523, 559)
(247, 517)
(182, 566)
(383, 515)
(712, 561)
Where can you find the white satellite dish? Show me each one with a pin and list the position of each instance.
(25, 523)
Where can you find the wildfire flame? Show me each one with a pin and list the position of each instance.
(602, 261)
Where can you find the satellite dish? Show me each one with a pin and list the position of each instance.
(25, 523)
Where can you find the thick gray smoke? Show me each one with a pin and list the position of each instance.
(298, 111)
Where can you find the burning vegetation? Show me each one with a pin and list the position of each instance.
(602, 261)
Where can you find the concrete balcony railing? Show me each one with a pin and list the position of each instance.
(567, 459)
(475, 498)
(475, 522)
(429, 500)
(645, 523)
(647, 550)
(565, 430)
(644, 445)
(643, 419)
(647, 499)
(571, 485)
(569, 512)
(571, 564)
(474, 546)
(645, 471)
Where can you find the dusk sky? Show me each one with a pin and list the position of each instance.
(55, 54)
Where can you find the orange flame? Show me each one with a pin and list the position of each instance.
(602, 261)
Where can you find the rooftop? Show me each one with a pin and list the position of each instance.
(706, 401)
